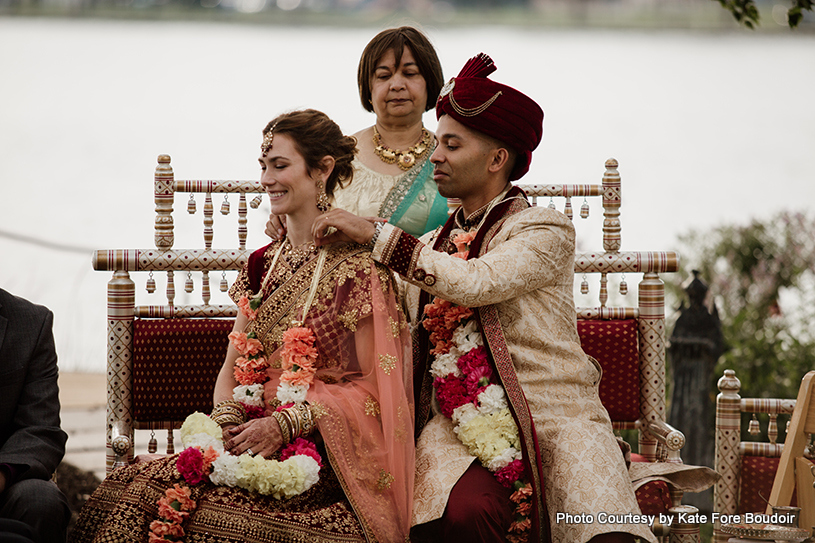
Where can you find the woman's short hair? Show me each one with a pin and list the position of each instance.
(396, 39)
(316, 136)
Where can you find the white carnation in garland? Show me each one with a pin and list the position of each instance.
(467, 337)
(225, 470)
(492, 399)
(504, 459)
(445, 364)
(310, 468)
(249, 394)
(287, 393)
(204, 441)
(199, 423)
(464, 414)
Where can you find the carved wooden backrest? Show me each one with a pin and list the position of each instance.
(747, 468)
(603, 326)
(162, 337)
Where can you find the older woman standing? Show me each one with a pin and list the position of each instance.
(399, 77)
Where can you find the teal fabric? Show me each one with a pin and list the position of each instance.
(405, 217)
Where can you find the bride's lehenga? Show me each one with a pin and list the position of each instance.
(361, 399)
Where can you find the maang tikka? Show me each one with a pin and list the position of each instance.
(268, 138)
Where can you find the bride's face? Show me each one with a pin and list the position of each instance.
(285, 178)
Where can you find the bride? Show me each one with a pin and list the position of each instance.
(313, 412)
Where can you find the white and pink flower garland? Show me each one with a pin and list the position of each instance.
(463, 379)
(204, 456)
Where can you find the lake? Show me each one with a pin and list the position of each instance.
(709, 128)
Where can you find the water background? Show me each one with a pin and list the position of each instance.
(709, 128)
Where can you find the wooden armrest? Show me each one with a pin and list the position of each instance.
(670, 437)
(120, 442)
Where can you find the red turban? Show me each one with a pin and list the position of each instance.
(493, 109)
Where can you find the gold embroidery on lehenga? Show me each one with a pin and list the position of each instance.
(387, 362)
(371, 406)
(349, 319)
(385, 480)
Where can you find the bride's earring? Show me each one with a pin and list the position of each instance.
(323, 204)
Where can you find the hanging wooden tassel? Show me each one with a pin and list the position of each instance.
(152, 445)
(151, 284)
(191, 204)
(551, 203)
(188, 286)
(567, 209)
(255, 203)
(754, 428)
(224, 284)
(584, 210)
(623, 286)
(225, 205)
(584, 286)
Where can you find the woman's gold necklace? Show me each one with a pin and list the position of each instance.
(404, 159)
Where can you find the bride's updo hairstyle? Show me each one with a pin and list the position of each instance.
(315, 136)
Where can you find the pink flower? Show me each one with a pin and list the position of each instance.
(245, 344)
(257, 363)
(248, 377)
(523, 508)
(510, 473)
(521, 494)
(169, 513)
(253, 411)
(209, 456)
(190, 465)
(299, 335)
(301, 446)
(451, 394)
(462, 242)
(246, 308)
(520, 526)
(181, 494)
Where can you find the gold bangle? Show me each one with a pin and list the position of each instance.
(305, 418)
(285, 429)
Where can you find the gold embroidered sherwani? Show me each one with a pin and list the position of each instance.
(527, 271)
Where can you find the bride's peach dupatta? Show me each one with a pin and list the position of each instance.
(362, 395)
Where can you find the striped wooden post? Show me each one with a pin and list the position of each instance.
(612, 200)
(652, 354)
(121, 301)
(164, 194)
(684, 532)
(727, 459)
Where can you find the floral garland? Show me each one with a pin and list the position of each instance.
(463, 379)
(173, 510)
(204, 456)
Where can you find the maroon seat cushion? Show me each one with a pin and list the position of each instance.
(615, 346)
(654, 497)
(175, 364)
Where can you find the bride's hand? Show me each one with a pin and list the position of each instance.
(276, 227)
(262, 436)
(339, 225)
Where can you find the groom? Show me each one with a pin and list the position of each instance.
(516, 275)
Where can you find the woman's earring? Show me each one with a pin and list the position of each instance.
(322, 198)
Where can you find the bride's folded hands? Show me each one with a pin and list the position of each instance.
(258, 437)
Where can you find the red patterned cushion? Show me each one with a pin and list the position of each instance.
(654, 498)
(175, 364)
(614, 344)
(758, 475)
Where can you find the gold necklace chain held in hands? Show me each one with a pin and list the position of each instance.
(404, 159)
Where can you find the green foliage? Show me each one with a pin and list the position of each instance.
(762, 279)
(746, 12)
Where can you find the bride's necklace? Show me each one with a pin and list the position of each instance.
(296, 255)
(404, 159)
